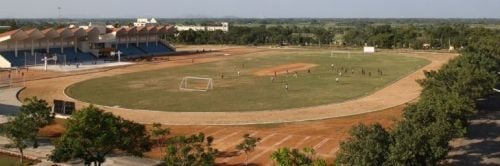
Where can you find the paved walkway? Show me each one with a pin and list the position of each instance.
(481, 145)
(72, 68)
(43, 151)
(8, 103)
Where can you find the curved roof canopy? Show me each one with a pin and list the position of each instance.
(121, 31)
(79, 32)
(152, 29)
(62, 33)
(50, 33)
(65, 32)
(132, 31)
(34, 34)
(142, 30)
(14, 35)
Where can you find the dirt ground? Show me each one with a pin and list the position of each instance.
(284, 69)
(322, 135)
(393, 95)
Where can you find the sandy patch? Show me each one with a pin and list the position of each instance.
(283, 69)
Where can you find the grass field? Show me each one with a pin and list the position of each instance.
(158, 89)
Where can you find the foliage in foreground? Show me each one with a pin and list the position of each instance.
(92, 134)
(296, 157)
(247, 145)
(441, 114)
(368, 145)
(22, 129)
(192, 150)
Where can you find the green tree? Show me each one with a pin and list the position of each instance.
(159, 133)
(192, 150)
(39, 112)
(92, 134)
(368, 145)
(20, 130)
(294, 157)
(247, 145)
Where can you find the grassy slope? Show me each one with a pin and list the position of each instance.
(158, 90)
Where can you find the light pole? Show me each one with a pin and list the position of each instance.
(59, 12)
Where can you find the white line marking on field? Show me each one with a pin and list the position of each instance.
(270, 148)
(227, 136)
(237, 142)
(267, 137)
(201, 130)
(233, 145)
(333, 151)
(282, 140)
(215, 132)
(317, 146)
(302, 141)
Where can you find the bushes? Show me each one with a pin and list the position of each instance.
(367, 146)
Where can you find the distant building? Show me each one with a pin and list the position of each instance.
(224, 27)
(145, 22)
(367, 49)
(426, 45)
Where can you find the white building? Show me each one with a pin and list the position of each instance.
(224, 27)
(367, 49)
(145, 22)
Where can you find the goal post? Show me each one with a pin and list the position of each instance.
(199, 84)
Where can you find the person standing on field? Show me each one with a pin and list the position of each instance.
(286, 87)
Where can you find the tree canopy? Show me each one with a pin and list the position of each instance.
(92, 134)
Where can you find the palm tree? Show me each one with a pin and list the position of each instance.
(248, 145)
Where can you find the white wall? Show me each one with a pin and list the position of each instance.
(369, 49)
(4, 63)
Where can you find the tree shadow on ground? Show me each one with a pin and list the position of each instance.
(481, 146)
(8, 109)
(228, 154)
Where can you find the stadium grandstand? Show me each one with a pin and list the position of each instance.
(81, 45)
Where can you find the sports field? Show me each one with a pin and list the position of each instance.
(253, 90)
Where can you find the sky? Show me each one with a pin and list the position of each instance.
(251, 8)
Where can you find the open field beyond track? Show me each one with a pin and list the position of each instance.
(310, 77)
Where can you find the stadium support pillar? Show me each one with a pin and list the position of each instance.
(48, 43)
(147, 40)
(15, 48)
(117, 42)
(32, 47)
(137, 40)
(76, 44)
(62, 46)
(156, 38)
(128, 40)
